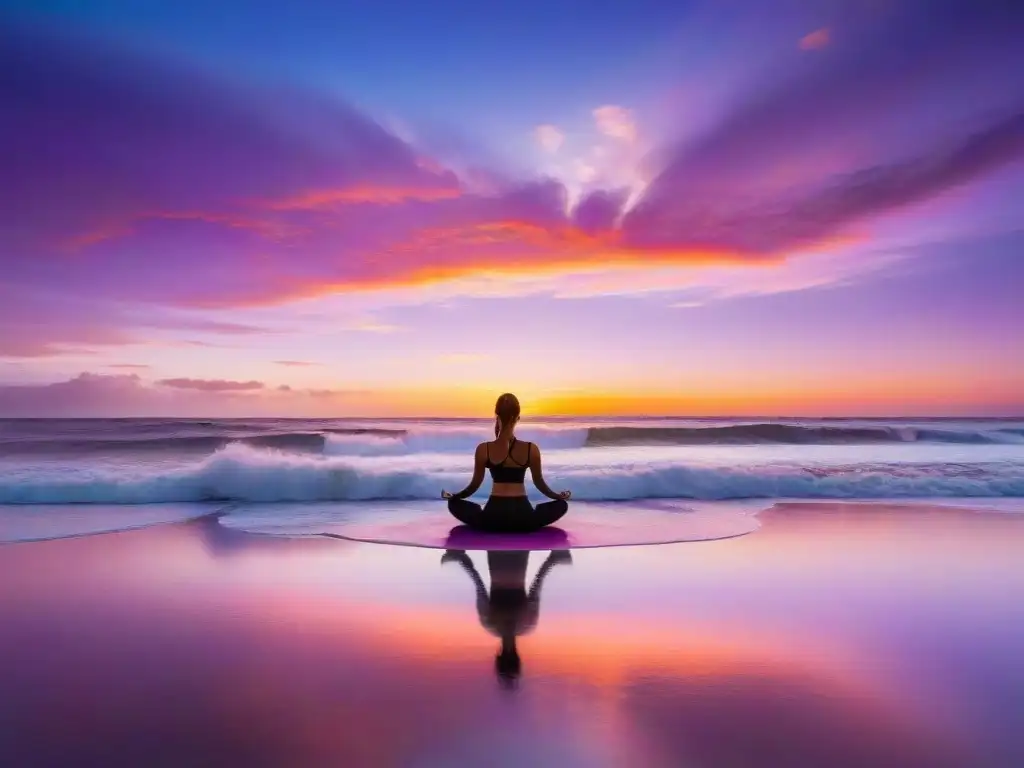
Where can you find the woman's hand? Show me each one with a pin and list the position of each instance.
(454, 556)
(446, 495)
(564, 495)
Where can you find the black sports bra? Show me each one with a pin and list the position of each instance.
(501, 473)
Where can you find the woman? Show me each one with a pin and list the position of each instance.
(507, 509)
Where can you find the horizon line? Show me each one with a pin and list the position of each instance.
(876, 417)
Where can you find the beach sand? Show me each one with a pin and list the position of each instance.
(836, 635)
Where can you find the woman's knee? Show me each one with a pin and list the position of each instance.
(465, 511)
(556, 505)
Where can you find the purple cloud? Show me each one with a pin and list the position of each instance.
(101, 395)
(202, 324)
(599, 210)
(86, 394)
(212, 385)
(814, 212)
(899, 89)
(43, 323)
(94, 136)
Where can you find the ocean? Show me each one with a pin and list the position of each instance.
(296, 590)
(146, 461)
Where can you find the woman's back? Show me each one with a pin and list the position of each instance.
(508, 460)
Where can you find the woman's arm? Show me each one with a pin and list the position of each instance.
(538, 476)
(556, 557)
(479, 460)
(459, 556)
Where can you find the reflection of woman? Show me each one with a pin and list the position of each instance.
(507, 509)
(509, 611)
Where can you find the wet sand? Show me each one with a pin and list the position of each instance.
(836, 635)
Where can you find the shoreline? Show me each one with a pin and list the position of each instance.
(29, 516)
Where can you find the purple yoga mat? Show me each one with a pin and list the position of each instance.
(579, 529)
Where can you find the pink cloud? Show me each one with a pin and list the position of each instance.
(202, 324)
(819, 38)
(295, 363)
(549, 137)
(616, 122)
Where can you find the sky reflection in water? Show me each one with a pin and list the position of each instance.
(856, 637)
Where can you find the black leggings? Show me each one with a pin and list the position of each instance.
(507, 514)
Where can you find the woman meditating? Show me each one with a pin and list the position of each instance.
(507, 509)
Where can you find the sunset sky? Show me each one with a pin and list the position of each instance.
(405, 208)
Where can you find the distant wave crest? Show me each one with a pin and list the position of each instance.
(794, 434)
(307, 442)
(425, 439)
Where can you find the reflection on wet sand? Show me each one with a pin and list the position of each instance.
(509, 610)
(153, 648)
(221, 541)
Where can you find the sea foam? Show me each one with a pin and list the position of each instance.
(240, 472)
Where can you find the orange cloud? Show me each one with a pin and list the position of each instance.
(556, 248)
(273, 229)
(372, 327)
(508, 248)
(815, 40)
(515, 248)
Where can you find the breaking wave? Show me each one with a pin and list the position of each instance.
(240, 472)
